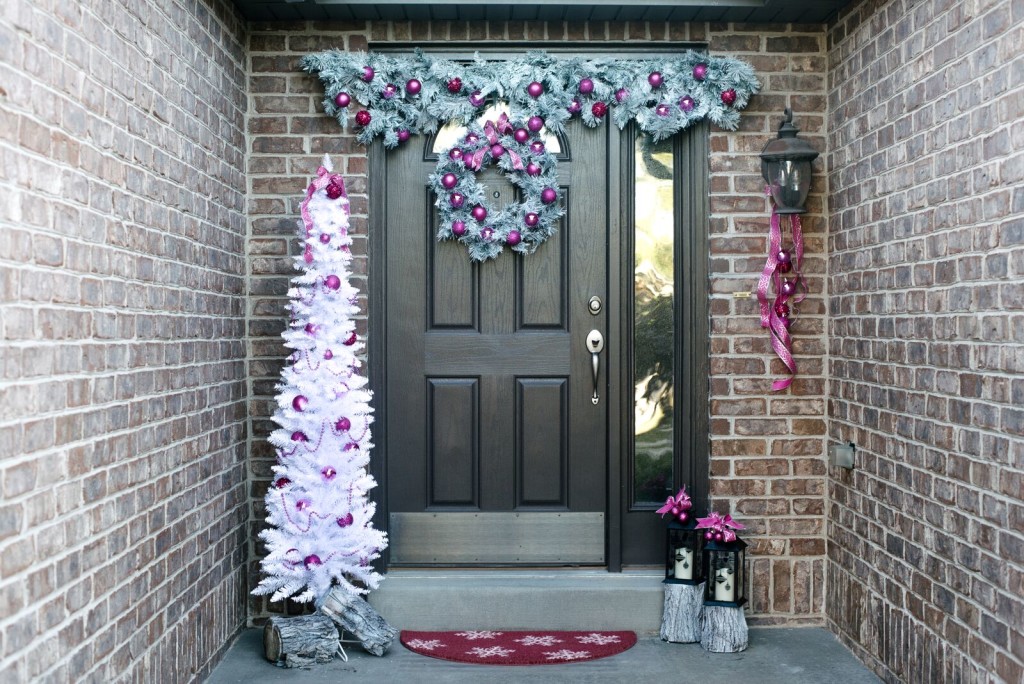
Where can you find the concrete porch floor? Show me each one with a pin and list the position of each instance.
(806, 655)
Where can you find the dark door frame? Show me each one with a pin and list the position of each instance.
(691, 313)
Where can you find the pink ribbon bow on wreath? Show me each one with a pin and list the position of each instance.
(775, 315)
(678, 505)
(493, 131)
(719, 528)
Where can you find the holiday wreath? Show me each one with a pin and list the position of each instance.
(402, 96)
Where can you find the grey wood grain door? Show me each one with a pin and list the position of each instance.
(496, 454)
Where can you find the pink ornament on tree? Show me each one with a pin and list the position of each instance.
(300, 403)
(345, 520)
(312, 560)
(343, 424)
(299, 436)
(328, 355)
(334, 191)
(282, 482)
(332, 282)
(328, 472)
(325, 238)
(311, 328)
(350, 341)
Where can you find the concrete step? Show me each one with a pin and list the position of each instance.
(521, 599)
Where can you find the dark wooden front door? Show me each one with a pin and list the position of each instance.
(496, 454)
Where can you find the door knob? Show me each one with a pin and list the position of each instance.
(595, 343)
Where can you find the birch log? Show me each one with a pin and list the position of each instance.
(358, 618)
(300, 641)
(723, 629)
(680, 621)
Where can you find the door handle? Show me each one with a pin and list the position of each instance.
(595, 343)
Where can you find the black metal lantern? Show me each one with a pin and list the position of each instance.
(683, 553)
(725, 568)
(786, 167)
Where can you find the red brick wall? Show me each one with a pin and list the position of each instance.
(926, 338)
(122, 304)
(767, 448)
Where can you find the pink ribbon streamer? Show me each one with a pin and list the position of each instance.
(782, 341)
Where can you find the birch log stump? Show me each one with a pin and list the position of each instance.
(723, 629)
(357, 617)
(680, 621)
(300, 641)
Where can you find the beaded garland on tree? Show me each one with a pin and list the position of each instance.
(403, 96)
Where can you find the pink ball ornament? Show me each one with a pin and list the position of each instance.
(683, 516)
(456, 199)
(312, 560)
(788, 287)
(403, 135)
(783, 256)
(514, 238)
(413, 86)
(299, 436)
(363, 117)
(334, 191)
(574, 107)
(521, 135)
(458, 228)
(621, 95)
(476, 98)
(325, 238)
(531, 219)
(782, 310)
(303, 504)
(535, 123)
(700, 71)
(332, 282)
(472, 139)
(282, 482)
(449, 180)
(686, 103)
(655, 79)
(497, 150)
(586, 86)
(312, 328)
(454, 85)
(328, 355)
(535, 90)
(342, 99)
(785, 267)
(350, 341)
(728, 97)
(676, 510)
(328, 472)
(537, 147)
(661, 110)
(345, 520)
(532, 169)
(300, 403)
(478, 212)
(351, 446)
(599, 109)
(389, 91)
(342, 424)
(487, 233)
(709, 535)
(455, 154)
(718, 536)
(548, 195)
(368, 73)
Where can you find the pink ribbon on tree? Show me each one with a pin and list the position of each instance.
(324, 179)
(775, 313)
(678, 505)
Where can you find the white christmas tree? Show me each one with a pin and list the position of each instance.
(321, 531)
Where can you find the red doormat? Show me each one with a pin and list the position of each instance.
(485, 647)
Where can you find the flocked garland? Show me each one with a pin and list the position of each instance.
(404, 96)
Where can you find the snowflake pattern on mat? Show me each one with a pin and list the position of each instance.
(473, 635)
(490, 651)
(544, 640)
(566, 654)
(425, 644)
(599, 639)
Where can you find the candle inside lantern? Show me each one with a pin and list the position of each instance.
(725, 589)
(684, 563)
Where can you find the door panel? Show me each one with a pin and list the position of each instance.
(489, 381)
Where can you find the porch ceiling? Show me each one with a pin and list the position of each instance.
(745, 11)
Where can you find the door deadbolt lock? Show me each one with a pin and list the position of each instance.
(595, 305)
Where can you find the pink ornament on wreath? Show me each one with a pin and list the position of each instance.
(458, 228)
(332, 282)
(728, 97)
(497, 150)
(342, 100)
(599, 109)
(686, 103)
(586, 86)
(655, 79)
(537, 147)
(472, 139)
(389, 91)
(535, 123)
(456, 199)
(531, 219)
(413, 86)
(455, 154)
(300, 403)
(548, 195)
(514, 238)
(368, 74)
(479, 213)
(449, 180)
(661, 110)
(535, 90)
(487, 233)
(700, 71)
(574, 107)
(532, 169)
(476, 98)
(521, 135)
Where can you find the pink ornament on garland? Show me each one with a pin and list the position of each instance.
(700, 71)
(363, 118)
(456, 199)
(655, 79)
(476, 98)
(403, 135)
(728, 97)
(548, 195)
(350, 341)
(497, 150)
(686, 103)
(599, 109)
(521, 135)
(455, 154)
(487, 233)
(586, 86)
(342, 100)
(343, 424)
(449, 180)
(413, 86)
(328, 472)
(661, 110)
(537, 147)
(478, 213)
(531, 219)
(368, 74)
(454, 85)
(458, 228)
(345, 520)
(514, 238)
(574, 107)
(535, 90)
(532, 169)
(621, 95)
(390, 90)
(788, 287)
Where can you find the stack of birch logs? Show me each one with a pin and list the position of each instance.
(307, 639)
(686, 620)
